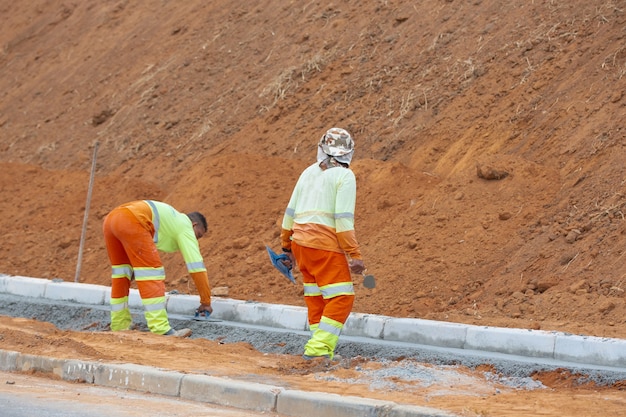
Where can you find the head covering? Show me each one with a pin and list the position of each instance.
(336, 143)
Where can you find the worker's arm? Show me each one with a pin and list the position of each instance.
(189, 248)
(285, 239)
(201, 280)
(345, 202)
(347, 242)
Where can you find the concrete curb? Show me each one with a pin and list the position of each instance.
(213, 390)
(588, 350)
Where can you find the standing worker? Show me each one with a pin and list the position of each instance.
(318, 234)
(134, 233)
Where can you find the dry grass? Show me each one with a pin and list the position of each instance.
(277, 90)
(288, 81)
(617, 60)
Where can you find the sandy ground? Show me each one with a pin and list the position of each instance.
(464, 391)
(490, 147)
(465, 386)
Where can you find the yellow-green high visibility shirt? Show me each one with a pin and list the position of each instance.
(320, 212)
(173, 231)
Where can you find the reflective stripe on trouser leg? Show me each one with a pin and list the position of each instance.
(153, 300)
(338, 300)
(121, 318)
(120, 314)
(329, 296)
(314, 303)
(325, 334)
(324, 340)
(149, 273)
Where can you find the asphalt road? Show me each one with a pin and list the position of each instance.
(24, 395)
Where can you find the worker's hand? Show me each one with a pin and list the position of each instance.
(291, 261)
(205, 307)
(357, 266)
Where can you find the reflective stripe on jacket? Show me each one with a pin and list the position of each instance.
(320, 212)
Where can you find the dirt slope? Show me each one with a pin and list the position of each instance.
(490, 144)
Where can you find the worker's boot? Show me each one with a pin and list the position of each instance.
(179, 333)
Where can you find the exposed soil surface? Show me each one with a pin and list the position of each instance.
(466, 392)
(490, 146)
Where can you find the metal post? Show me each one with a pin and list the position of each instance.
(84, 232)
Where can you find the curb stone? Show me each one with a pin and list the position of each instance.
(209, 389)
(586, 350)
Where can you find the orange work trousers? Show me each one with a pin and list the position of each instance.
(130, 247)
(326, 269)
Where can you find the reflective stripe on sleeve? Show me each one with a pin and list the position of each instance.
(196, 267)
